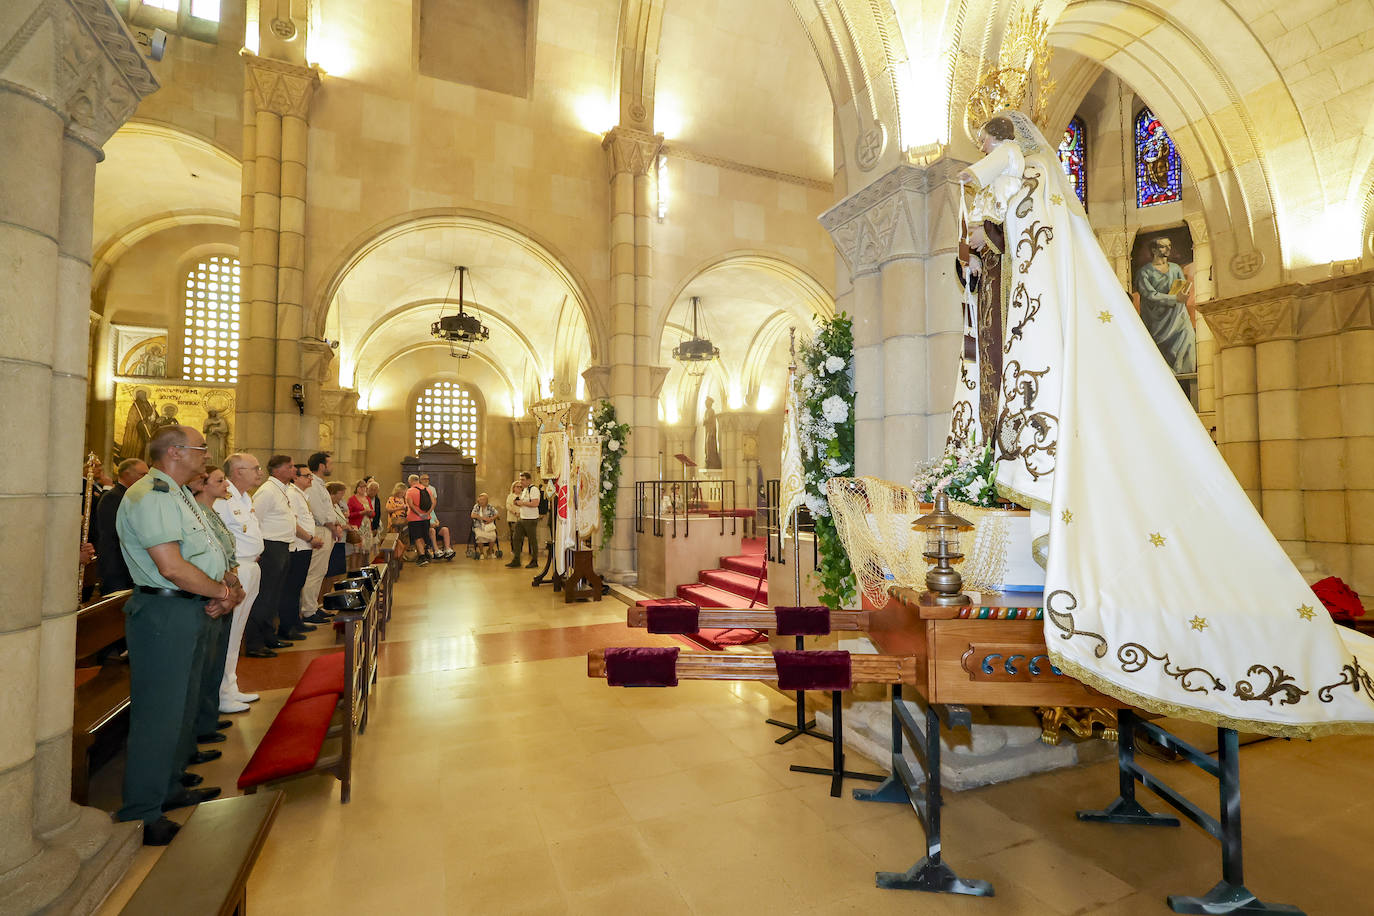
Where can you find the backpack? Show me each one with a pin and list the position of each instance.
(543, 503)
(425, 502)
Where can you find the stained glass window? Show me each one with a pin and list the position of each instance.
(211, 336)
(1158, 171)
(446, 411)
(1073, 156)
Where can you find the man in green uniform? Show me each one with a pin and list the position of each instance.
(177, 566)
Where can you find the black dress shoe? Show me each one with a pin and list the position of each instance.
(318, 617)
(200, 757)
(305, 628)
(188, 797)
(191, 780)
(222, 724)
(211, 738)
(260, 653)
(160, 832)
(531, 565)
(513, 565)
(288, 638)
(277, 643)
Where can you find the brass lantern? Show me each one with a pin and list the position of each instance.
(944, 585)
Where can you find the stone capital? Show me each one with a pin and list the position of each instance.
(1292, 311)
(316, 355)
(893, 217)
(598, 379)
(281, 88)
(741, 421)
(630, 150)
(78, 58)
(657, 376)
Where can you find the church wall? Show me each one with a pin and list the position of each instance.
(391, 432)
(146, 288)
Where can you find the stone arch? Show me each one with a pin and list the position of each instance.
(485, 398)
(1256, 182)
(480, 223)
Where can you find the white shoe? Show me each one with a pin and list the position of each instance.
(246, 697)
(229, 706)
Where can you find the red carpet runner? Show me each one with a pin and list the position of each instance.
(734, 584)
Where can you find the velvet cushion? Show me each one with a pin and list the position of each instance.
(803, 621)
(293, 740)
(324, 675)
(679, 617)
(818, 670)
(642, 667)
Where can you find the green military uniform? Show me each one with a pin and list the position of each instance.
(217, 645)
(166, 635)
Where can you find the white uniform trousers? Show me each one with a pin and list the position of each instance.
(250, 577)
(319, 562)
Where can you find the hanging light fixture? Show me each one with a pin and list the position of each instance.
(696, 353)
(461, 330)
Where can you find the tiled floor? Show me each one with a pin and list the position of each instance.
(496, 778)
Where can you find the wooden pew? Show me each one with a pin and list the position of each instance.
(205, 870)
(100, 708)
(329, 701)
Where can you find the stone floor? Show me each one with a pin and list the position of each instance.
(497, 778)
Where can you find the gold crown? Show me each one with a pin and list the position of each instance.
(1022, 74)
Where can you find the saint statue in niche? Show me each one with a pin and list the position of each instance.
(216, 430)
(708, 423)
(1163, 294)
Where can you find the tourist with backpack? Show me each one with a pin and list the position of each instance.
(419, 502)
(528, 503)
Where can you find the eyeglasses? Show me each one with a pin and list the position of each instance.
(198, 448)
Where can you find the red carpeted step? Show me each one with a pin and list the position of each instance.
(714, 639)
(742, 584)
(750, 564)
(708, 596)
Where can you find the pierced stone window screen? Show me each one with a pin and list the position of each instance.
(446, 411)
(210, 345)
(1073, 156)
(1158, 171)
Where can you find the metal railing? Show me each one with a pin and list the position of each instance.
(669, 508)
(773, 527)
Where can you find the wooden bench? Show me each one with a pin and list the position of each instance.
(392, 551)
(100, 708)
(329, 701)
(205, 870)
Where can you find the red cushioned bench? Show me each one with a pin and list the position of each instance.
(329, 701)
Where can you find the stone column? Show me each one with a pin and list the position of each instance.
(271, 354)
(897, 238)
(633, 388)
(523, 448)
(69, 77)
(736, 428)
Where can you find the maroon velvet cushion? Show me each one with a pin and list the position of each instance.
(293, 740)
(678, 617)
(803, 621)
(324, 675)
(642, 666)
(818, 670)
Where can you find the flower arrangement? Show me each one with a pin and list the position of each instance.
(614, 437)
(825, 429)
(965, 473)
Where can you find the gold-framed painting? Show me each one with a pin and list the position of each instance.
(141, 409)
(138, 352)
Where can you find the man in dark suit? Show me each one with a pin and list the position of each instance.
(114, 574)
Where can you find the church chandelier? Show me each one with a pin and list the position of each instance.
(696, 352)
(462, 330)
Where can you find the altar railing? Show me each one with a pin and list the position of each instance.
(670, 508)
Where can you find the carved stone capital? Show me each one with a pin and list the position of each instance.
(598, 379)
(1293, 311)
(281, 88)
(316, 355)
(740, 421)
(657, 376)
(884, 220)
(78, 58)
(630, 150)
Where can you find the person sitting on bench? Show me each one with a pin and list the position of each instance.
(484, 525)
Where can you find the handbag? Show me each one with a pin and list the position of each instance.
(353, 536)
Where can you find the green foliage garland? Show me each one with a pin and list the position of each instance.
(825, 391)
(614, 438)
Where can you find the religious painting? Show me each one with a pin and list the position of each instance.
(1158, 170)
(143, 409)
(138, 352)
(1162, 290)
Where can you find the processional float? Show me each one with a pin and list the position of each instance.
(571, 466)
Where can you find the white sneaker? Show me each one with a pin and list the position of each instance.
(246, 697)
(229, 706)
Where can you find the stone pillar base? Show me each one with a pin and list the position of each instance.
(77, 869)
(621, 576)
(102, 870)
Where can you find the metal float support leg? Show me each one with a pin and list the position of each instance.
(1126, 810)
(836, 771)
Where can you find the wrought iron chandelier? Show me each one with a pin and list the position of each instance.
(461, 330)
(698, 352)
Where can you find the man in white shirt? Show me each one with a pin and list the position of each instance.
(277, 522)
(236, 511)
(289, 624)
(528, 502)
(327, 530)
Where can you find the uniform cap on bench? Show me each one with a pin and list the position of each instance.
(345, 599)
